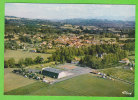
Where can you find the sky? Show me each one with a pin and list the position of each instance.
(68, 11)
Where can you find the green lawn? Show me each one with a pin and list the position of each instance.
(121, 73)
(84, 85)
(18, 54)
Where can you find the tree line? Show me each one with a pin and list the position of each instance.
(10, 63)
(107, 61)
(113, 53)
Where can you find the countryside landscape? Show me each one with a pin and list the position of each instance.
(65, 54)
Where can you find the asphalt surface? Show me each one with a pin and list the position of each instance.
(75, 72)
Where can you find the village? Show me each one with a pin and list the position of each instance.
(67, 53)
(70, 40)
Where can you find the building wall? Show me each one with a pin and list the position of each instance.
(50, 74)
(56, 75)
(62, 74)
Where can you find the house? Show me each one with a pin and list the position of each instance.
(44, 42)
(75, 61)
(54, 73)
(124, 36)
(131, 68)
(94, 72)
(125, 60)
(32, 50)
(100, 55)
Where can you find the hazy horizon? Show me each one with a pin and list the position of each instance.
(70, 11)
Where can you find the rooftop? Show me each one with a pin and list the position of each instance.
(50, 69)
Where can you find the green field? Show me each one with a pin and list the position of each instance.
(121, 73)
(40, 66)
(84, 85)
(13, 81)
(51, 50)
(18, 54)
(131, 56)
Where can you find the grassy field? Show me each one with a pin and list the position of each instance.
(18, 54)
(131, 55)
(84, 85)
(121, 73)
(40, 66)
(51, 50)
(13, 81)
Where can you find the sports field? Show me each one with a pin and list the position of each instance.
(18, 54)
(84, 85)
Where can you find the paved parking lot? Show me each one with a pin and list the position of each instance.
(76, 71)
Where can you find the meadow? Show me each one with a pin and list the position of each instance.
(40, 66)
(125, 74)
(18, 54)
(14, 81)
(83, 85)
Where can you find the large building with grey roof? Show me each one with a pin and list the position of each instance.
(54, 73)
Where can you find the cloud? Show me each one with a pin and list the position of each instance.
(66, 11)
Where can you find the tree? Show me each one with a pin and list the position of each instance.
(28, 61)
(11, 63)
(50, 58)
(21, 62)
(6, 65)
(38, 59)
(129, 46)
(117, 39)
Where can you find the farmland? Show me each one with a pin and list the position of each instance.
(23, 54)
(94, 86)
(13, 81)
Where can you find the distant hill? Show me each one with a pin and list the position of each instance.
(99, 22)
(76, 21)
